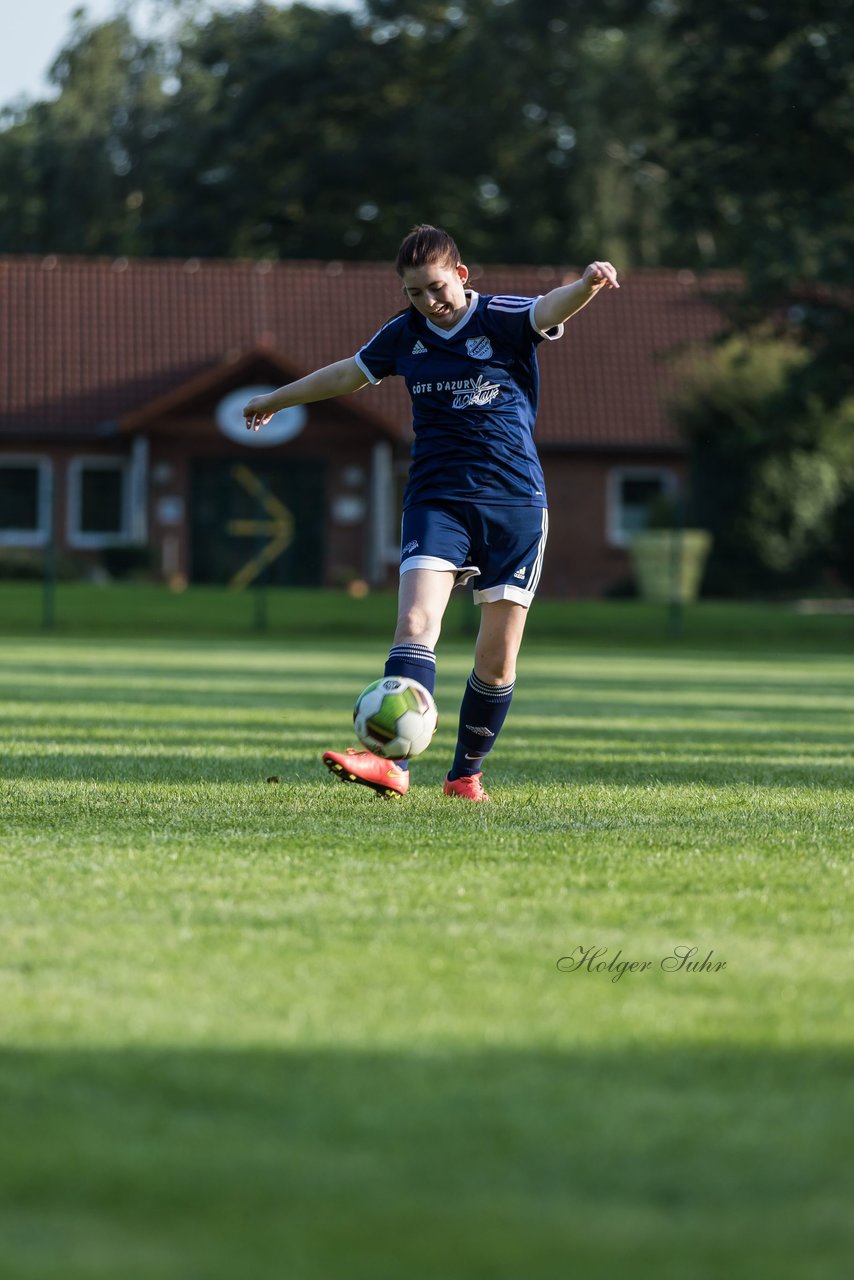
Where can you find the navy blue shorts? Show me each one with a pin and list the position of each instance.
(502, 547)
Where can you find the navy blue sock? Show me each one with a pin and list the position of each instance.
(418, 662)
(482, 713)
(413, 660)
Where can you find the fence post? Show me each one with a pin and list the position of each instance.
(49, 559)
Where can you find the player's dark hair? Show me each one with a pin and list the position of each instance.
(426, 244)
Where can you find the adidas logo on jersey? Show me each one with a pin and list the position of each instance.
(419, 349)
(520, 573)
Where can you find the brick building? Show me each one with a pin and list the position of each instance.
(120, 419)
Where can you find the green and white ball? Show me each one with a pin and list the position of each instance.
(395, 718)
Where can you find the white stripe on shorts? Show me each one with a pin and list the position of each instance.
(541, 551)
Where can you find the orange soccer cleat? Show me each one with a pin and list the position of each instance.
(383, 776)
(468, 787)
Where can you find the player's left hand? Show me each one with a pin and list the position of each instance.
(598, 275)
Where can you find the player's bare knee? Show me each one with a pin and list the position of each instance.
(417, 626)
(495, 673)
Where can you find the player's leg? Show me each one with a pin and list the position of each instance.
(426, 581)
(499, 639)
(435, 543)
(487, 696)
(422, 600)
(505, 592)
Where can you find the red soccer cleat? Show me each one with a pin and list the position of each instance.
(382, 776)
(469, 787)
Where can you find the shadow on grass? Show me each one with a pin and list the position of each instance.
(209, 766)
(107, 716)
(251, 771)
(347, 1165)
(216, 753)
(569, 674)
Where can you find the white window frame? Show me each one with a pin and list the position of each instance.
(616, 534)
(97, 462)
(40, 536)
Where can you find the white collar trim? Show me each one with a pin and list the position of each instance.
(452, 333)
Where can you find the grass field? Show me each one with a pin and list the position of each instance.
(294, 1030)
(140, 608)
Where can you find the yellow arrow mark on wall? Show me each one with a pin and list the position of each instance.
(280, 527)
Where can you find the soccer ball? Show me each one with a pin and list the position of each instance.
(395, 718)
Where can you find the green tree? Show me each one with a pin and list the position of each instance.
(761, 161)
(762, 151)
(529, 128)
(768, 477)
(533, 122)
(70, 166)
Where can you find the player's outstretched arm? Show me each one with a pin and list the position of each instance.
(337, 379)
(561, 303)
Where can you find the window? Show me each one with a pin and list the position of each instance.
(24, 501)
(632, 493)
(98, 502)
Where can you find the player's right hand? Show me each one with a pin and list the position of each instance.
(257, 412)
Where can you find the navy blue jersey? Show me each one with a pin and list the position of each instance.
(474, 392)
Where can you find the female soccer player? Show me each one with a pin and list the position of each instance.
(475, 502)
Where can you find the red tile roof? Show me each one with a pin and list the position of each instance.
(84, 342)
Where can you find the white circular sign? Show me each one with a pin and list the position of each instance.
(286, 424)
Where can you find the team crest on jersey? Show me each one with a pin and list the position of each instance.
(479, 348)
(477, 394)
